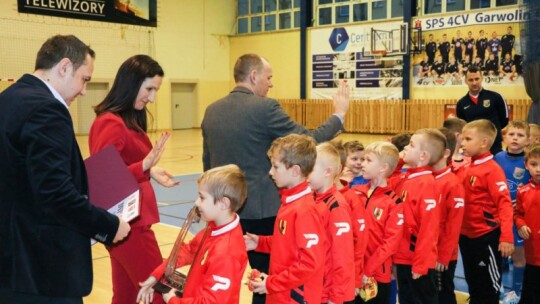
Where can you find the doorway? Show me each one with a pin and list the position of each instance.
(183, 103)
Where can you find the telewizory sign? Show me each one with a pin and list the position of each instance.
(138, 12)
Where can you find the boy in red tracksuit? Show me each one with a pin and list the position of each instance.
(486, 232)
(417, 254)
(384, 217)
(338, 283)
(358, 222)
(526, 217)
(452, 207)
(297, 246)
(217, 254)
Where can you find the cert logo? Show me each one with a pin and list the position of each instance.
(339, 39)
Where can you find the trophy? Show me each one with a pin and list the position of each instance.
(173, 277)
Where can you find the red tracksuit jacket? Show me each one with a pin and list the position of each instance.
(338, 283)
(421, 199)
(384, 219)
(217, 270)
(487, 200)
(358, 222)
(297, 250)
(452, 208)
(528, 213)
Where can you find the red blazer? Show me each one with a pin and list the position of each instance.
(384, 221)
(421, 214)
(528, 213)
(487, 200)
(216, 272)
(452, 208)
(339, 278)
(296, 249)
(110, 129)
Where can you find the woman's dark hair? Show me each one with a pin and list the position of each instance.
(121, 98)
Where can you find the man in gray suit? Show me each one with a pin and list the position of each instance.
(239, 129)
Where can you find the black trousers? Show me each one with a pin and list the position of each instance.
(445, 284)
(530, 293)
(8, 296)
(257, 260)
(482, 263)
(420, 291)
(383, 295)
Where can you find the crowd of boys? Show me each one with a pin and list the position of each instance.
(418, 199)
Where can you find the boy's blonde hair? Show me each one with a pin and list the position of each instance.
(386, 153)
(226, 181)
(295, 149)
(434, 142)
(484, 127)
(519, 124)
(353, 146)
(534, 127)
(338, 144)
(532, 151)
(454, 124)
(330, 155)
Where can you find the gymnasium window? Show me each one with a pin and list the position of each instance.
(330, 12)
(255, 16)
(444, 6)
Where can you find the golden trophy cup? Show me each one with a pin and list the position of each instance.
(173, 277)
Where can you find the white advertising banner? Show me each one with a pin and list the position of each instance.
(369, 57)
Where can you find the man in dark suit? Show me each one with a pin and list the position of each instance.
(46, 220)
(239, 129)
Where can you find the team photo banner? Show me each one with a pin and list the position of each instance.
(136, 12)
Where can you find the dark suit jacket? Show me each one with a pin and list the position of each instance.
(239, 129)
(46, 220)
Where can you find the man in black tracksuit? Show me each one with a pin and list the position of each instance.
(480, 103)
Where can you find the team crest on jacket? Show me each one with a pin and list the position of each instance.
(282, 226)
(518, 173)
(487, 103)
(203, 260)
(472, 180)
(377, 213)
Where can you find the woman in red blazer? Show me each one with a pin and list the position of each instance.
(121, 121)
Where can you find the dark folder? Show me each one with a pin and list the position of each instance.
(111, 184)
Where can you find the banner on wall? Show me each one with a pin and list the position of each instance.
(136, 12)
(369, 57)
(451, 44)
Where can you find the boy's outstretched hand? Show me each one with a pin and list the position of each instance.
(251, 240)
(146, 294)
(258, 285)
(506, 249)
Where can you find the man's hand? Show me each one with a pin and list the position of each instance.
(506, 249)
(146, 293)
(441, 267)
(251, 240)
(122, 232)
(341, 99)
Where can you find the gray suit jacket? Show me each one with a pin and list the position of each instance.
(239, 129)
